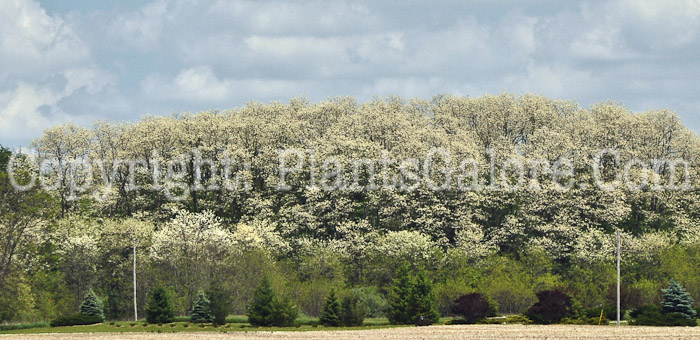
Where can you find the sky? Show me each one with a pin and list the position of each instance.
(82, 61)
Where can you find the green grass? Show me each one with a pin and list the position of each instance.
(238, 324)
(23, 326)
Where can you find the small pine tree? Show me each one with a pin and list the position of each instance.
(201, 309)
(352, 311)
(330, 316)
(677, 300)
(284, 312)
(159, 308)
(220, 302)
(400, 297)
(423, 300)
(92, 305)
(260, 309)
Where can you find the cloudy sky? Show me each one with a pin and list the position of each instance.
(80, 61)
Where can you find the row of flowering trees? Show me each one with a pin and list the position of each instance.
(510, 243)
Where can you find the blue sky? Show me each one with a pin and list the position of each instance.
(81, 61)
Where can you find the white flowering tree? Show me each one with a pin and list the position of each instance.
(189, 248)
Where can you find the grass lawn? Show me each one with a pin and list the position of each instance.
(237, 323)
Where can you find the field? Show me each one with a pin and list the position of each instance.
(428, 333)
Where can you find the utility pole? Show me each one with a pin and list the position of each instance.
(136, 315)
(617, 233)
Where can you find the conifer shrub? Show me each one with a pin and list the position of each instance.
(412, 299)
(201, 309)
(159, 308)
(675, 310)
(267, 309)
(219, 302)
(677, 300)
(423, 303)
(400, 296)
(352, 311)
(92, 306)
(330, 315)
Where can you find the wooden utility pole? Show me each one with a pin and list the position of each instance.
(617, 233)
(136, 313)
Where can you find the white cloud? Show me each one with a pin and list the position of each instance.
(200, 84)
(43, 64)
(142, 28)
(172, 55)
(29, 109)
(33, 43)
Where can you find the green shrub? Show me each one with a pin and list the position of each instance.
(159, 308)
(260, 309)
(220, 303)
(651, 315)
(352, 311)
(400, 297)
(76, 319)
(609, 312)
(92, 305)
(586, 321)
(676, 300)
(423, 303)
(201, 309)
(374, 302)
(518, 319)
(267, 309)
(412, 299)
(284, 312)
(515, 319)
(330, 315)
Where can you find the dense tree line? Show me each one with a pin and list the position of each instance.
(506, 244)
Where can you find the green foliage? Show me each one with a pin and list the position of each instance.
(400, 297)
(586, 321)
(352, 311)
(284, 312)
(201, 309)
(374, 302)
(220, 303)
(159, 308)
(677, 300)
(609, 312)
(5, 155)
(260, 309)
(651, 315)
(330, 315)
(423, 302)
(505, 245)
(515, 319)
(92, 305)
(411, 298)
(267, 309)
(76, 319)
(508, 282)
